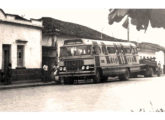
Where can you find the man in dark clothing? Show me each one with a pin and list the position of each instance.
(8, 74)
(45, 73)
(2, 77)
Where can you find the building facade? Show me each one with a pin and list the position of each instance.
(20, 45)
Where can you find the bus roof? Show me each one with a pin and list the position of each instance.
(99, 42)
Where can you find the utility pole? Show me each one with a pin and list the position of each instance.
(128, 29)
(102, 33)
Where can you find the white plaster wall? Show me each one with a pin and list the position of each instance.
(160, 57)
(11, 18)
(146, 54)
(32, 51)
(47, 40)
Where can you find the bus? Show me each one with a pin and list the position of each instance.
(98, 60)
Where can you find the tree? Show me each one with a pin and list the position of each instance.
(139, 17)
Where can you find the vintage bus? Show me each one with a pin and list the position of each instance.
(97, 59)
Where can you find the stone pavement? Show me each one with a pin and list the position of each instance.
(26, 83)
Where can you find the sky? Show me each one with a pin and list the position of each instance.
(91, 15)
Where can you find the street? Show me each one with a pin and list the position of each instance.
(115, 95)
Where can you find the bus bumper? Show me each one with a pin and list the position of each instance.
(77, 74)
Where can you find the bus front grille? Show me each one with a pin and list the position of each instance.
(73, 65)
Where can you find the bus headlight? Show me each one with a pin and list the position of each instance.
(83, 68)
(87, 67)
(64, 68)
(60, 68)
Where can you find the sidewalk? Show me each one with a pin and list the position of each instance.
(25, 83)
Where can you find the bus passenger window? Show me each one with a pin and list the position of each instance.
(135, 49)
(96, 50)
(104, 50)
(132, 50)
(127, 50)
(111, 50)
(116, 51)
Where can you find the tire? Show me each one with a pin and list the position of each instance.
(125, 76)
(158, 72)
(104, 79)
(97, 77)
(148, 72)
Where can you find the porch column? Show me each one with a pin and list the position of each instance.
(14, 56)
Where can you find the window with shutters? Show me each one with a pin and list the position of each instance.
(20, 56)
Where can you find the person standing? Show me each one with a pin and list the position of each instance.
(158, 69)
(45, 73)
(2, 77)
(8, 74)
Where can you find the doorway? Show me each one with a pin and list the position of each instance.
(6, 56)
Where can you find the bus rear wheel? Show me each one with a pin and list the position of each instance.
(104, 78)
(125, 76)
(97, 77)
(148, 72)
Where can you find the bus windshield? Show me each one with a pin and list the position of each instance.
(75, 50)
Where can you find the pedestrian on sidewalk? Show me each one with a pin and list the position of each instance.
(45, 77)
(8, 75)
(2, 78)
(56, 74)
(52, 72)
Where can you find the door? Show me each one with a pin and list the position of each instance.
(6, 56)
(20, 55)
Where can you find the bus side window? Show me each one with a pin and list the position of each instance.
(116, 51)
(128, 50)
(111, 50)
(119, 50)
(132, 50)
(104, 50)
(96, 50)
(136, 50)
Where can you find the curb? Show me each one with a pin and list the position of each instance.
(25, 85)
